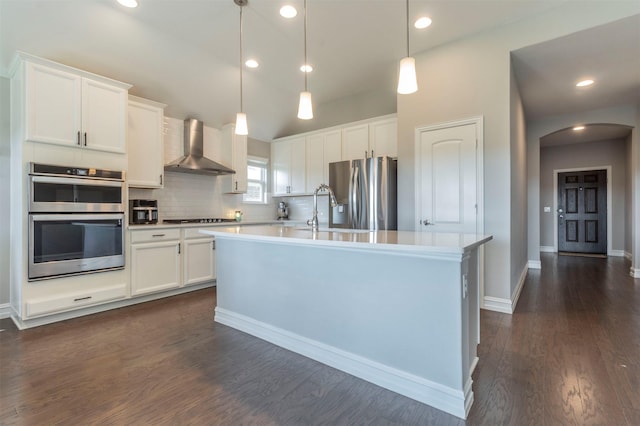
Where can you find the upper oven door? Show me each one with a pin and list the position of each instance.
(71, 195)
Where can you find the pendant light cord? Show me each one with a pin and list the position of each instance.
(241, 106)
(407, 28)
(306, 65)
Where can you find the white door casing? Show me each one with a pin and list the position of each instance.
(446, 178)
(468, 182)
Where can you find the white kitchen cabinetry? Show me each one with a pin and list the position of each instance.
(65, 106)
(321, 149)
(288, 166)
(155, 260)
(199, 263)
(145, 143)
(74, 300)
(234, 155)
(373, 139)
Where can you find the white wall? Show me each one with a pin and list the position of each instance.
(471, 77)
(585, 156)
(625, 115)
(628, 214)
(4, 189)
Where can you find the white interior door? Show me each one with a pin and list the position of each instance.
(446, 179)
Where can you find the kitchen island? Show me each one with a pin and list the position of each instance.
(399, 309)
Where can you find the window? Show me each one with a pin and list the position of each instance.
(256, 181)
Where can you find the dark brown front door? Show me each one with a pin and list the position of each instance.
(582, 212)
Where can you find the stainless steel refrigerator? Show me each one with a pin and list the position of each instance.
(366, 191)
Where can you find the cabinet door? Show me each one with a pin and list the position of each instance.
(314, 152)
(355, 142)
(280, 160)
(104, 116)
(155, 267)
(383, 138)
(145, 146)
(199, 261)
(53, 105)
(297, 166)
(332, 151)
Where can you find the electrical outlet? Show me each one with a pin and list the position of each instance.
(547, 209)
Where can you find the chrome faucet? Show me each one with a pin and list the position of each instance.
(332, 200)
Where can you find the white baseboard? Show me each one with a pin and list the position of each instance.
(547, 249)
(5, 310)
(616, 253)
(507, 306)
(534, 264)
(627, 255)
(634, 272)
(455, 402)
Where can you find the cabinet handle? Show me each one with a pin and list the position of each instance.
(213, 245)
(160, 179)
(179, 244)
(236, 185)
(365, 154)
(79, 137)
(85, 138)
(82, 298)
(158, 235)
(371, 153)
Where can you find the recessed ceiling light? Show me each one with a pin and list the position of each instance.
(252, 63)
(422, 22)
(288, 11)
(128, 3)
(306, 68)
(584, 83)
(578, 128)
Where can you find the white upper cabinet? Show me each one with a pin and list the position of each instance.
(288, 166)
(373, 139)
(383, 138)
(65, 106)
(355, 142)
(234, 154)
(145, 145)
(321, 149)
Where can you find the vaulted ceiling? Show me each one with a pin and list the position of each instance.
(185, 53)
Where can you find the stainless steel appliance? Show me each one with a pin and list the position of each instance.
(199, 220)
(283, 210)
(75, 220)
(193, 160)
(143, 212)
(366, 192)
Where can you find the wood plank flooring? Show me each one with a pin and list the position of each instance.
(568, 355)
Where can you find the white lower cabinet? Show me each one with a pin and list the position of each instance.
(199, 260)
(73, 300)
(168, 258)
(155, 260)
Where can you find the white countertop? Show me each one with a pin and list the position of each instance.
(391, 241)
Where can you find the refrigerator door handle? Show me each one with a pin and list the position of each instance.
(353, 220)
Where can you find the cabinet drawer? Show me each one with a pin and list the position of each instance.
(65, 302)
(191, 233)
(146, 235)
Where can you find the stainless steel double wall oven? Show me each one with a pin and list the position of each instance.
(76, 218)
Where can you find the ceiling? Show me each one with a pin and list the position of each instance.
(185, 52)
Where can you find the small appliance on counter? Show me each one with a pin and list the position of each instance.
(143, 212)
(283, 210)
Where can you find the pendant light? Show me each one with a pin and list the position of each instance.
(305, 107)
(241, 117)
(407, 82)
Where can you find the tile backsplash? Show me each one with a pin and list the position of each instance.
(301, 208)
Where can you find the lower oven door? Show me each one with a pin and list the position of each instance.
(63, 244)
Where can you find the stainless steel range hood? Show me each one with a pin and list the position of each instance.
(193, 160)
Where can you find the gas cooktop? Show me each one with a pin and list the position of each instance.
(199, 220)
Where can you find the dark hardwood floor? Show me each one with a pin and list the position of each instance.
(568, 355)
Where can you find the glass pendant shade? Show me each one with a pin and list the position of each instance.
(305, 108)
(407, 82)
(241, 124)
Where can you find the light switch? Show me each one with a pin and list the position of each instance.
(547, 209)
